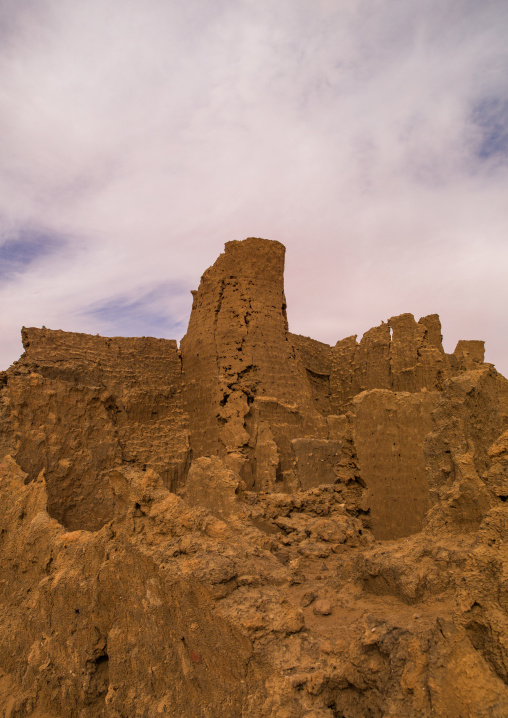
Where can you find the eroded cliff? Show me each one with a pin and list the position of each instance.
(256, 525)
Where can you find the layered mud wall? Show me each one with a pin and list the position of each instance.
(389, 434)
(81, 405)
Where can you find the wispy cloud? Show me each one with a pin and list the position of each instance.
(25, 247)
(490, 116)
(369, 137)
(142, 313)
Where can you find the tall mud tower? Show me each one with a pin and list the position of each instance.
(244, 381)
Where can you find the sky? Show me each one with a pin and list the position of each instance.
(368, 136)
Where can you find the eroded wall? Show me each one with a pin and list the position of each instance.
(389, 434)
(243, 388)
(79, 405)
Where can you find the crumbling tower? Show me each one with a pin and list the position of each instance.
(246, 390)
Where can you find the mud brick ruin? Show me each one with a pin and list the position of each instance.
(255, 524)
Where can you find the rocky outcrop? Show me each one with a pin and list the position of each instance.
(257, 524)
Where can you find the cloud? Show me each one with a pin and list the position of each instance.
(490, 116)
(369, 137)
(149, 314)
(25, 247)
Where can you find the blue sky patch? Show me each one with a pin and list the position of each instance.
(24, 248)
(148, 314)
(491, 119)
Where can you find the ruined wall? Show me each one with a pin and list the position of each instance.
(80, 405)
(401, 355)
(391, 382)
(316, 357)
(335, 546)
(389, 434)
(471, 414)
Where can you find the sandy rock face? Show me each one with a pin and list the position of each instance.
(78, 405)
(246, 389)
(258, 525)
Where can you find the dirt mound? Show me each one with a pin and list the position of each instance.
(257, 524)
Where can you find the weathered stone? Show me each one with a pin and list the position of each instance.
(237, 349)
(317, 461)
(79, 409)
(468, 354)
(389, 432)
(316, 357)
(322, 607)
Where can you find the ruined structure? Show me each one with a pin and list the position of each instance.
(256, 525)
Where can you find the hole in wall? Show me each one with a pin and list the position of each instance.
(97, 670)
